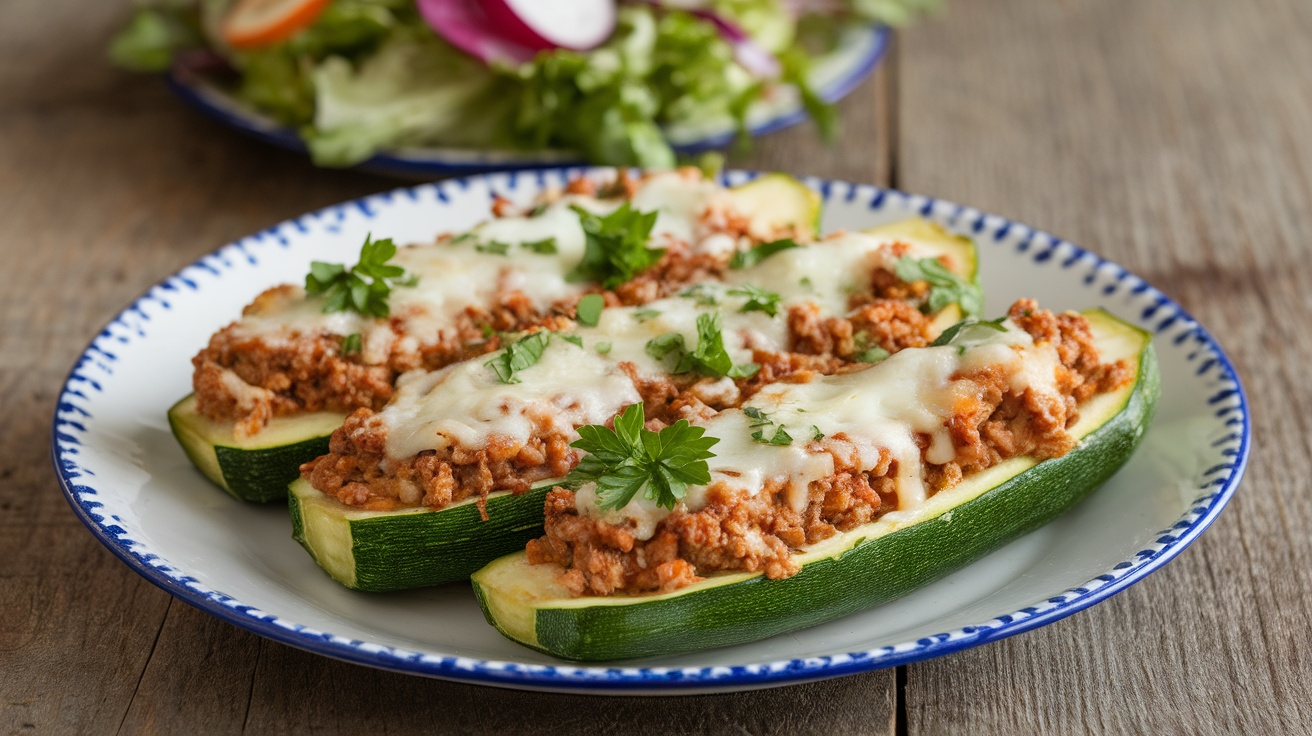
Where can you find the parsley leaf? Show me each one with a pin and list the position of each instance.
(495, 247)
(589, 309)
(351, 344)
(363, 288)
(867, 350)
(573, 338)
(704, 295)
(602, 348)
(642, 315)
(945, 287)
(631, 458)
(758, 299)
(762, 424)
(616, 248)
(748, 258)
(519, 355)
(709, 358)
(546, 246)
(952, 332)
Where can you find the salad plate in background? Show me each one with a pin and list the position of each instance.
(130, 483)
(433, 86)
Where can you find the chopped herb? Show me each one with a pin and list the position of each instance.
(488, 331)
(868, 351)
(351, 344)
(951, 333)
(816, 434)
(462, 237)
(709, 358)
(642, 315)
(573, 338)
(807, 284)
(521, 354)
(704, 295)
(546, 246)
(602, 347)
(495, 247)
(616, 246)
(538, 209)
(762, 424)
(630, 459)
(758, 299)
(945, 287)
(589, 309)
(747, 258)
(363, 288)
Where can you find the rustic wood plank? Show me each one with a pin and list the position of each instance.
(1171, 136)
(106, 184)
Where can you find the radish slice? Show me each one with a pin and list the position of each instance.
(578, 25)
(465, 25)
(253, 23)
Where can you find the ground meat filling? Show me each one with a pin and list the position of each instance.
(758, 533)
(358, 472)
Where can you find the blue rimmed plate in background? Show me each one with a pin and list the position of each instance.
(129, 482)
(833, 75)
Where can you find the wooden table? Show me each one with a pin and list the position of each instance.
(1173, 136)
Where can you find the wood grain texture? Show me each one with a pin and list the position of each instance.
(1175, 137)
(107, 184)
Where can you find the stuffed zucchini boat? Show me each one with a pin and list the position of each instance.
(268, 387)
(458, 441)
(556, 608)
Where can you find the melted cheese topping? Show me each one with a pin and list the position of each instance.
(828, 272)
(881, 409)
(466, 404)
(464, 272)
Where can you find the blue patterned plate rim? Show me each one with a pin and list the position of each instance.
(421, 162)
(1171, 324)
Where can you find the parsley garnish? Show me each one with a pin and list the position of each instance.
(951, 333)
(758, 299)
(702, 293)
(945, 287)
(363, 288)
(546, 246)
(602, 347)
(573, 338)
(616, 247)
(867, 350)
(709, 358)
(495, 247)
(631, 458)
(520, 354)
(351, 344)
(753, 256)
(589, 309)
(642, 315)
(761, 422)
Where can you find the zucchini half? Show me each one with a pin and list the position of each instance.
(256, 468)
(411, 548)
(865, 567)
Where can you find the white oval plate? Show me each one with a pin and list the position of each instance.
(132, 486)
(834, 75)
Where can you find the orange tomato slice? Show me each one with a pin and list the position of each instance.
(252, 23)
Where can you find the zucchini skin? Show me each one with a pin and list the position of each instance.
(259, 472)
(869, 573)
(397, 551)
